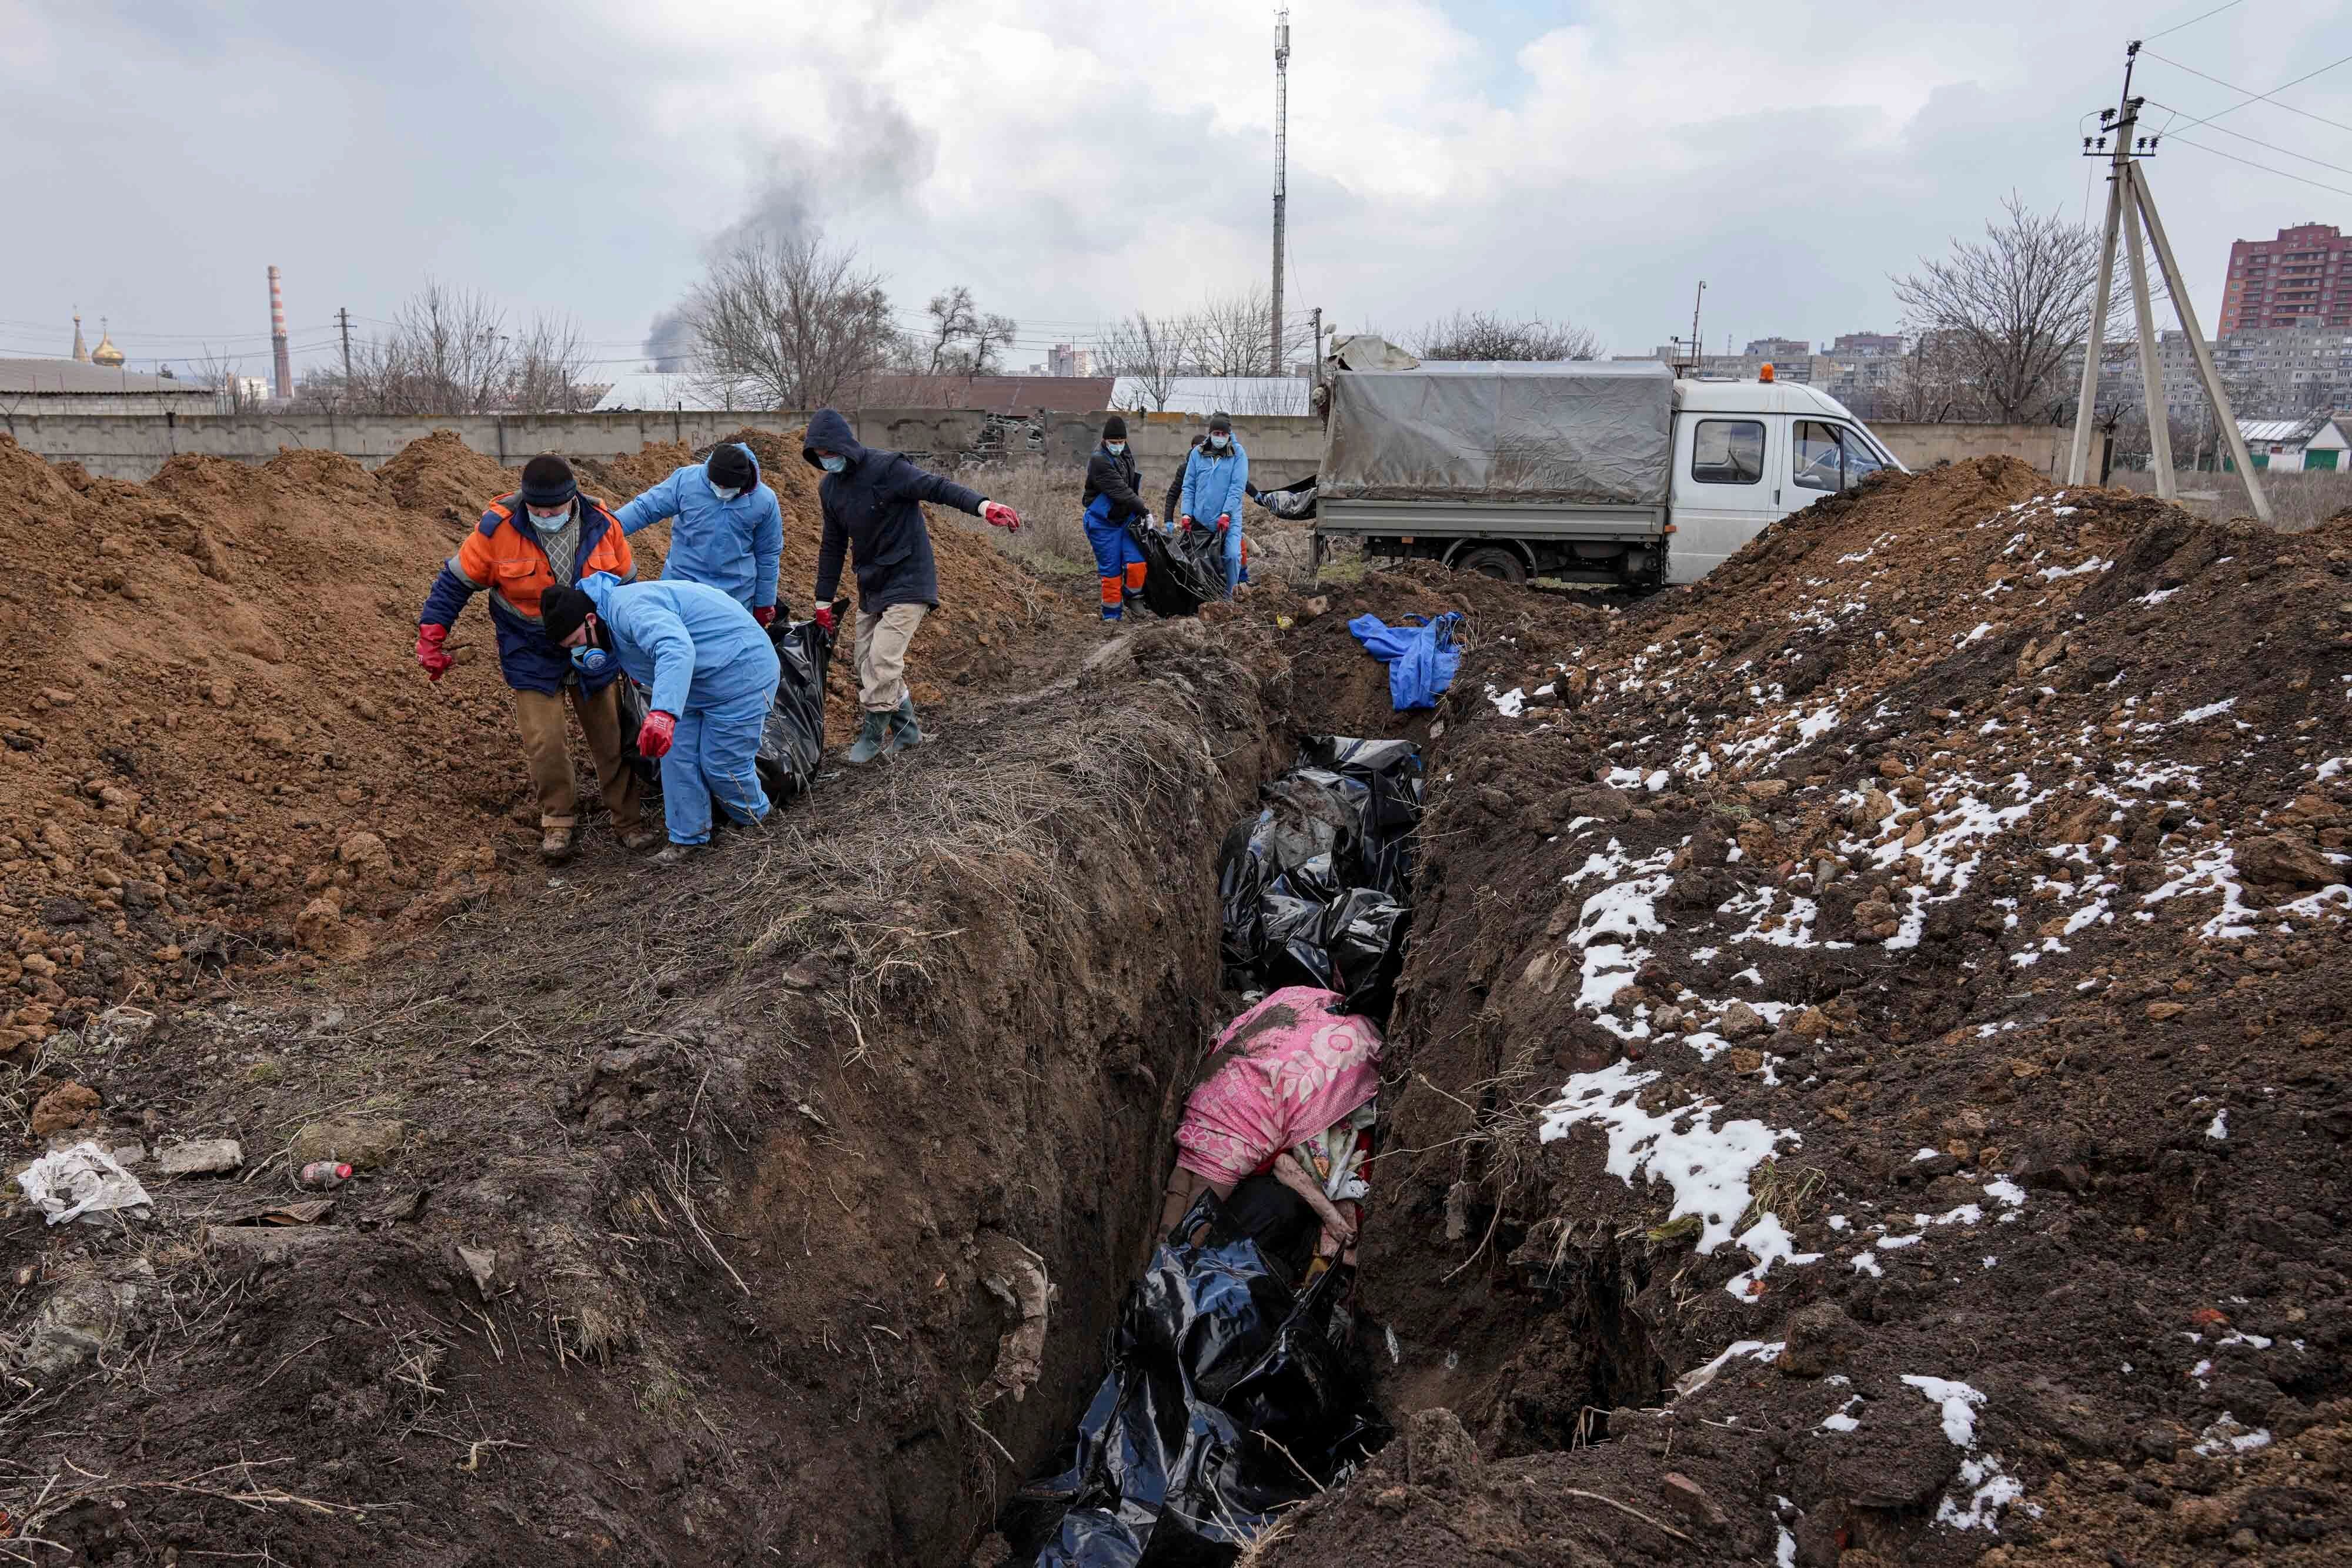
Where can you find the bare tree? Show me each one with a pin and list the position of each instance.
(953, 319)
(989, 337)
(2010, 308)
(218, 374)
(548, 361)
(1483, 335)
(790, 323)
(1151, 350)
(1232, 332)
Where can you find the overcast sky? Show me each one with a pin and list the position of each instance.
(1072, 162)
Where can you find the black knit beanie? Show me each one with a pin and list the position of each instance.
(563, 610)
(1115, 428)
(730, 466)
(1221, 422)
(547, 481)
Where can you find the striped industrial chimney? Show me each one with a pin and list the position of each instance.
(280, 361)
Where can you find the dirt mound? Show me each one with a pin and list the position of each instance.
(698, 1243)
(1937, 917)
(441, 475)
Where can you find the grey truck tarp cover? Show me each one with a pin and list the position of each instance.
(1576, 432)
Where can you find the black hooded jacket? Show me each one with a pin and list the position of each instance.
(1113, 475)
(873, 509)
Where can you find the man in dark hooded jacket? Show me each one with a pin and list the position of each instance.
(1112, 503)
(873, 511)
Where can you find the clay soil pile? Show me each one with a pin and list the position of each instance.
(1896, 993)
(219, 752)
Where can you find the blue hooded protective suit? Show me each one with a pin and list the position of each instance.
(733, 546)
(711, 666)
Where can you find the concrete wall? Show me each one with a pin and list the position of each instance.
(134, 446)
(2046, 447)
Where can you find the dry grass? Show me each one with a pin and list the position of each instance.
(1053, 537)
(2298, 501)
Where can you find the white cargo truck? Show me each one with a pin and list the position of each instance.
(1591, 472)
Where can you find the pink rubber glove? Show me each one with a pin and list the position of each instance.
(429, 651)
(997, 515)
(1224, 521)
(653, 739)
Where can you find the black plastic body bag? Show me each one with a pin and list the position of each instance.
(791, 740)
(1182, 571)
(1315, 890)
(1226, 1402)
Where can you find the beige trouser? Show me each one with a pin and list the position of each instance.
(547, 751)
(882, 654)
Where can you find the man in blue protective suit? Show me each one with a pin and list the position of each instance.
(713, 674)
(1216, 480)
(730, 532)
(1111, 503)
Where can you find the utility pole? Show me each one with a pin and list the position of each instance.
(344, 316)
(1315, 365)
(1281, 167)
(1698, 344)
(2131, 206)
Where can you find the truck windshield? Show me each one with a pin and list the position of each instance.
(1826, 456)
(1728, 452)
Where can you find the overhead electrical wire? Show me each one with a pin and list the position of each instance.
(2194, 20)
(2269, 146)
(2251, 96)
(2249, 163)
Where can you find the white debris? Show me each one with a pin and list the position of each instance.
(2219, 1129)
(1510, 703)
(82, 1180)
(2229, 1436)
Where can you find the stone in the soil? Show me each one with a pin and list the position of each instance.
(363, 1143)
(83, 1318)
(1438, 1453)
(2280, 861)
(1740, 1021)
(68, 1106)
(206, 1156)
(365, 855)
(1817, 1339)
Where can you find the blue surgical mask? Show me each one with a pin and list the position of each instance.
(590, 660)
(1114, 447)
(725, 492)
(550, 524)
(833, 464)
(1219, 443)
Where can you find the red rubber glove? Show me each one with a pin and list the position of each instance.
(429, 651)
(763, 613)
(1224, 521)
(653, 739)
(823, 618)
(997, 515)
(1186, 523)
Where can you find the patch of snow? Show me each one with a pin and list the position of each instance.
(1960, 1403)
(1510, 703)
(1698, 1377)
(1983, 631)
(2228, 1436)
(1925, 1154)
(1707, 1166)
(2211, 710)
(2219, 1129)
(1841, 1418)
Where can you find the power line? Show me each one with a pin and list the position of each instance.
(2265, 168)
(2194, 20)
(2241, 136)
(2251, 95)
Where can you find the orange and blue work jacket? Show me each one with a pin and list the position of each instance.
(504, 556)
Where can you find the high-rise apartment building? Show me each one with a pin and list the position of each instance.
(2302, 278)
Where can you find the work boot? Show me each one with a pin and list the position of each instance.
(904, 731)
(637, 839)
(869, 741)
(671, 854)
(556, 845)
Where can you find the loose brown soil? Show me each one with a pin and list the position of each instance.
(220, 752)
(1981, 850)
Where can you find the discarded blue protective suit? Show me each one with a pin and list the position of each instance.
(1420, 656)
(711, 666)
(734, 546)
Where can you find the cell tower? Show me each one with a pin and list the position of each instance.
(1281, 165)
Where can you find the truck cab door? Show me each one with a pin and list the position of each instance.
(1728, 478)
(1825, 457)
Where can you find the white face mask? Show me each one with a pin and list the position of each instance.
(1219, 443)
(725, 492)
(1115, 447)
(833, 464)
(552, 524)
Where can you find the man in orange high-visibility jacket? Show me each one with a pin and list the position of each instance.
(544, 534)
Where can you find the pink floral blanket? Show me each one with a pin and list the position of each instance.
(1282, 1072)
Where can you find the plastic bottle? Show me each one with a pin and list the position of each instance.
(324, 1174)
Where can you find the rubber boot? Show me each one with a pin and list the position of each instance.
(905, 733)
(868, 744)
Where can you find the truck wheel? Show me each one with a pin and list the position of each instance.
(1502, 565)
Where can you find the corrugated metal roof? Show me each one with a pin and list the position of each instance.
(71, 376)
(651, 390)
(2280, 429)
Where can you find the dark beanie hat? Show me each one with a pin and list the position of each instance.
(730, 466)
(563, 610)
(1115, 428)
(547, 481)
(1222, 420)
